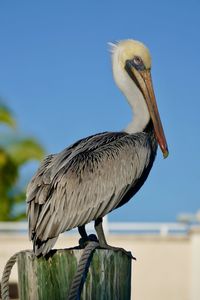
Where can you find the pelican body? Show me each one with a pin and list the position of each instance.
(102, 172)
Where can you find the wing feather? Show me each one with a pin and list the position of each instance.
(84, 182)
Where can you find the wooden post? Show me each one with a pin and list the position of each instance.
(108, 278)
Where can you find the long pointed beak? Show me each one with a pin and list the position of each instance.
(144, 82)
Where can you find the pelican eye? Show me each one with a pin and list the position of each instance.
(137, 62)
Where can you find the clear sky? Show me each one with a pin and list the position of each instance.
(55, 74)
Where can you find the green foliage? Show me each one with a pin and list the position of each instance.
(6, 116)
(13, 156)
(22, 150)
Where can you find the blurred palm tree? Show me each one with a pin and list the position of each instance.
(15, 152)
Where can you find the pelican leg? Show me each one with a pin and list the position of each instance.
(82, 232)
(100, 233)
(85, 238)
(102, 240)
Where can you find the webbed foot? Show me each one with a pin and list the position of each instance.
(102, 240)
(109, 247)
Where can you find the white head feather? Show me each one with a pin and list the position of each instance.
(121, 52)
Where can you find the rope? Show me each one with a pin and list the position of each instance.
(81, 273)
(6, 275)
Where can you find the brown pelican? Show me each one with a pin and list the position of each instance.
(99, 173)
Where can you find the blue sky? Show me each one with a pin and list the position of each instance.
(55, 74)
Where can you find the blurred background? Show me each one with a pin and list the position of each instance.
(56, 87)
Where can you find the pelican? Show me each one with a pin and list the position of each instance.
(102, 172)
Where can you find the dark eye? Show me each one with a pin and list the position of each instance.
(137, 60)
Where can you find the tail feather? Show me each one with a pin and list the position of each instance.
(43, 247)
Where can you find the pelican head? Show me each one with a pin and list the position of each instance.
(132, 73)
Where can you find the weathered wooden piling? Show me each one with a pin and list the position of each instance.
(108, 277)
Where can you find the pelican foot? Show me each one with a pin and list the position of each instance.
(93, 238)
(108, 247)
(84, 241)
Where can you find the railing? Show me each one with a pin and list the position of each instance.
(149, 228)
(162, 229)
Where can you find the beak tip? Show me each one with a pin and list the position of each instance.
(165, 153)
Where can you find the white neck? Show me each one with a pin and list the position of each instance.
(134, 96)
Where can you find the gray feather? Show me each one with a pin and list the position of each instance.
(84, 182)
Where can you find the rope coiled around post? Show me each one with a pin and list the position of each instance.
(6, 275)
(81, 273)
